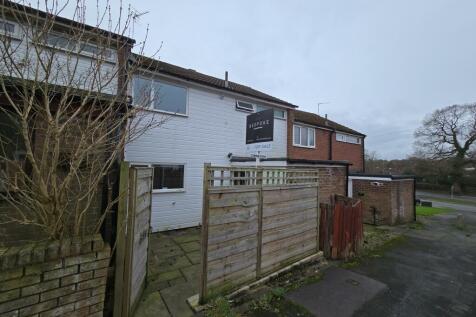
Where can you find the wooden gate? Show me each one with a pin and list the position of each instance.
(341, 227)
(255, 221)
(132, 237)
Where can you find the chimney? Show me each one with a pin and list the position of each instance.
(327, 123)
(226, 79)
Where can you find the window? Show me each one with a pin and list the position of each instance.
(168, 177)
(245, 106)
(7, 27)
(142, 90)
(278, 113)
(159, 95)
(348, 138)
(170, 98)
(62, 42)
(304, 136)
(12, 147)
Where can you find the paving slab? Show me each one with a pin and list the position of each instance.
(194, 257)
(175, 298)
(153, 306)
(339, 294)
(190, 246)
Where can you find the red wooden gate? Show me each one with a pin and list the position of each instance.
(341, 227)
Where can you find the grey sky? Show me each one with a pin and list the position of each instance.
(382, 65)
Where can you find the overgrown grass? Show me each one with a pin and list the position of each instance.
(431, 211)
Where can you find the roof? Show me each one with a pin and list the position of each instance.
(58, 19)
(314, 119)
(200, 78)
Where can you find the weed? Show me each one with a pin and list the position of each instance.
(220, 307)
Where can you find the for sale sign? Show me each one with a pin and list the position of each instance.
(259, 131)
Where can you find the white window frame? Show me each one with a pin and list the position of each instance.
(274, 111)
(310, 131)
(240, 108)
(112, 57)
(16, 30)
(151, 107)
(169, 190)
(346, 139)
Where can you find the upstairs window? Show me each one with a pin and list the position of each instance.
(61, 42)
(245, 106)
(7, 28)
(278, 113)
(160, 96)
(348, 138)
(304, 136)
(168, 177)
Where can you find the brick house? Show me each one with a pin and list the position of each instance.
(314, 139)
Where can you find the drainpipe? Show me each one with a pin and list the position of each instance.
(330, 145)
(347, 180)
(363, 155)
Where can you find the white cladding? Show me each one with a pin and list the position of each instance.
(212, 129)
(68, 68)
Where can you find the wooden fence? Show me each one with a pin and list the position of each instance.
(255, 221)
(341, 227)
(133, 225)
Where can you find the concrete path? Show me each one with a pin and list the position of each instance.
(431, 273)
(340, 293)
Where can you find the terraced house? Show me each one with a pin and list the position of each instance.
(205, 123)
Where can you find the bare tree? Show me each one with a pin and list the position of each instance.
(449, 134)
(65, 117)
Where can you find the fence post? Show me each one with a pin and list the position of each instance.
(204, 251)
(318, 210)
(121, 232)
(259, 178)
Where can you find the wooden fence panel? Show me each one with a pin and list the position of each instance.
(255, 221)
(232, 243)
(132, 237)
(341, 227)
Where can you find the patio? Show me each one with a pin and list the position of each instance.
(173, 273)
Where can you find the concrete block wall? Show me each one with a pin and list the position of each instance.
(58, 278)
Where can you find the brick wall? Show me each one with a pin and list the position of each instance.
(55, 278)
(391, 201)
(332, 180)
(342, 151)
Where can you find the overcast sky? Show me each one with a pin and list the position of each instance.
(381, 65)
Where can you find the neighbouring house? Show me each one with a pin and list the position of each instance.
(205, 119)
(72, 61)
(314, 139)
(386, 199)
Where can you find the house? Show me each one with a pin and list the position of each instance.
(205, 123)
(79, 63)
(312, 138)
(206, 118)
